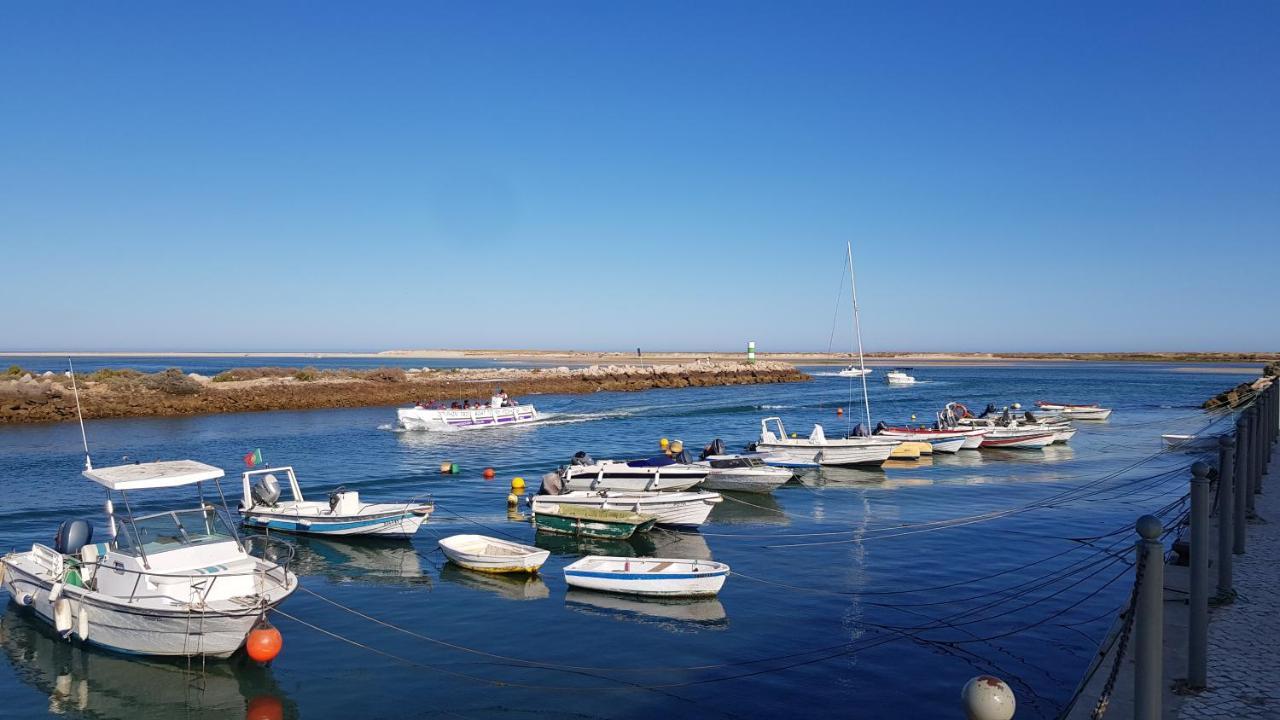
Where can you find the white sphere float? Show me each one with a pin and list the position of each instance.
(988, 698)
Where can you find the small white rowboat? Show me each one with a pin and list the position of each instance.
(491, 555)
(665, 577)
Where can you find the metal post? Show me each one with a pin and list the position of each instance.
(1251, 427)
(1241, 484)
(1226, 514)
(1197, 650)
(1148, 683)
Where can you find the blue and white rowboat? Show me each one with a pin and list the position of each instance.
(342, 514)
(660, 577)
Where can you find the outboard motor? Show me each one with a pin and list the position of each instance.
(990, 409)
(551, 484)
(581, 458)
(1005, 418)
(72, 535)
(858, 431)
(266, 491)
(880, 427)
(1030, 418)
(335, 497)
(715, 448)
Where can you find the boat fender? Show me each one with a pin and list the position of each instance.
(82, 623)
(62, 619)
(3, 569)
(55, 592)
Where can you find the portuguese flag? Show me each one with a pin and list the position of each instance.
(254, 458)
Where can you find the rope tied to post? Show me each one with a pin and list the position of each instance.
(1126, 629)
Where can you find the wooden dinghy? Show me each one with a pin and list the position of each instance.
(660, 577)
(592, 522)
(491, 555)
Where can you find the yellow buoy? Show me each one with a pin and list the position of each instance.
(663, 443)
(517, 484)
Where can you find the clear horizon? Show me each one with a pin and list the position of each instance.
(1080, 178)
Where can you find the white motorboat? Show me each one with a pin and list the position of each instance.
(675, 509)
(341, 514)
(854, 371)
(648, 475)
(817, 449)
(899, 376)
(500, 412)
(172, 583)
(740, 472)
(492, 555)
(666, 577)
(1076, 412)
(1020, 438)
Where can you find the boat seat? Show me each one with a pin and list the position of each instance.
(659, 567)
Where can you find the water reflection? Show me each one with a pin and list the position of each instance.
(85, 682)
(513, 586)
(753, 508)
(367, 560)
(669, 613)
(659, 542)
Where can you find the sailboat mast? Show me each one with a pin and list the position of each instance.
(857, 331)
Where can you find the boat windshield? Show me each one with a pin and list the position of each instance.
(173, 530)
(738, 462)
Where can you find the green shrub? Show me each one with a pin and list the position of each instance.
(388, 375)
(16, 371)
(306, 374)
(171, 382)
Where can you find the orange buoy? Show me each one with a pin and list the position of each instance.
(488, 473)
(265, 707)
(264, 642)
(839, 411)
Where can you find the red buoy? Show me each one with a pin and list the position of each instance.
(839, 411)
(488, 473)
(264, 642)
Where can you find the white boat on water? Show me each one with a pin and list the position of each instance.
(1190, 442)
(748, 473)
(172, 583)
(341, 513)
(817, 449)
(648, 475)
(673, 509)
(899, 376)
(1076, 412)
(854, 371)
(941, 441)
(500, 412)
(492, 555)
(1019, 438)
(665, 577)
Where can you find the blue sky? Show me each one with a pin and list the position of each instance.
(301, 175)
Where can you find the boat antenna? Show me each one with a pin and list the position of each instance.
(88, 464)
(857, 329)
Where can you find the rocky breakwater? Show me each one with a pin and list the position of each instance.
(1243, 392)
(30, 398)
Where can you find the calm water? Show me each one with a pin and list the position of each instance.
(829, 605)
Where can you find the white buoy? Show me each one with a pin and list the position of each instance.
(55, 592)
(82, 624)
(62, 619)
(988, 698)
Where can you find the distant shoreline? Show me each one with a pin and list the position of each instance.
(878, 359)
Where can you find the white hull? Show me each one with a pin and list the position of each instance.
(749, 480)
(800, 453)
(657, 577)
(491, 555)
(397, 523)
(1018, 440)
(621, 477)
(1086, 413)
(416, 418)
(1063, 434)
(676, 509)
(144, 627)
(1190, 442)
(854, 372)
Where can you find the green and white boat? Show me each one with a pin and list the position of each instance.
(580, 521)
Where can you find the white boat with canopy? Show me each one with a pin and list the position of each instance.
(342, 513)
(740, 472)
(171, 583)
(817, 449)
(899, 376)
(499, 412)
(854, 371)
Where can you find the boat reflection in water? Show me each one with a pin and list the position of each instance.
(88, 682)
(659, 542)
(366, 560)
(512, 586)
(749, 509)
(672, 613)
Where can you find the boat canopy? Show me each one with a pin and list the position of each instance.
(143, 476)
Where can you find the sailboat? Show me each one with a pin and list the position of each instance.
(817, 449)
